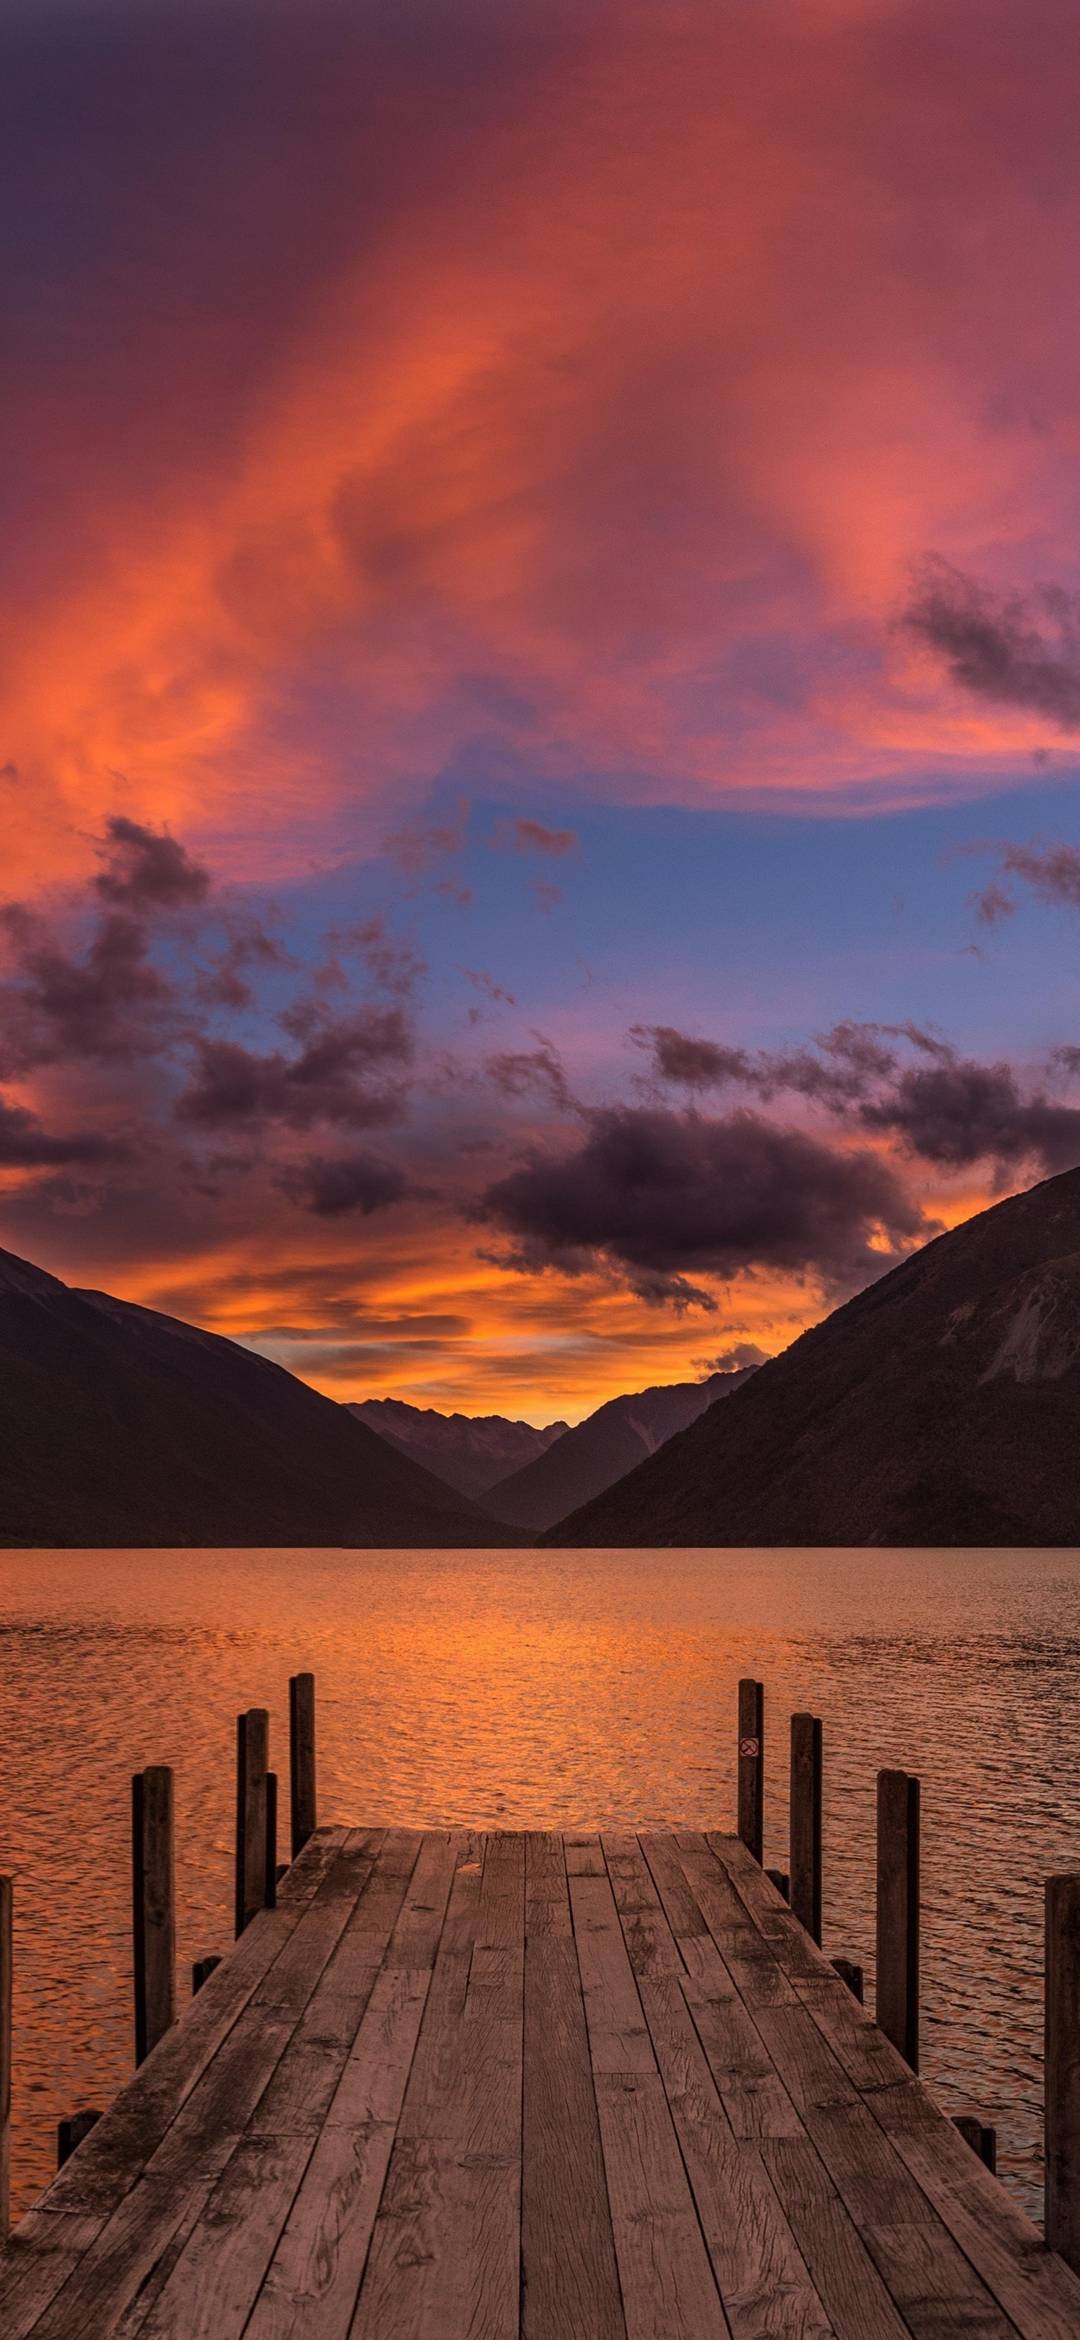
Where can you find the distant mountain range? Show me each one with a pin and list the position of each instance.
(601, 1449)
(470, 1452)
(120, 1426)
(942, 1406)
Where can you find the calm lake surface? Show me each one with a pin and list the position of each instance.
(542, 1689)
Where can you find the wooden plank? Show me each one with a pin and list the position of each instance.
(850, 2285)
(761, 2275)
(314, 2276)
(1030, 2283)
(570, 2282)
(933, 2285)
(923, 2269)
(872, 2186)
(668, 2287)
(751, 1768)
(299, 2095)
(213, 2285)
(755, 2101)
(252, 1764)
(153, 1899)
(805, 1822)
(303, 1797)
(868, 2058)
(788, 1943)
(43, 2250)
(112, 2157)
(755, 1972)
(444, 2260)
(897, 1997)
(178, 2176)
(618, 2033)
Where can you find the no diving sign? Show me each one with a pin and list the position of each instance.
(750, 1747)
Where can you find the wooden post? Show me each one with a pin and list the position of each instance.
(252, 1749)
(851, 1973)
(752, 1767)
(271, 1840)
(71, 2132)
(201, 1972)
(153, 1906)
(897, 2007)
(806, 1764)
(6, 1899)
(302, 1805)
(981, 2138)
(1062, 2068)
(782, 1882)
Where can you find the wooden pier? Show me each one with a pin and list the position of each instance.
(540, 2086)
(565, 2087)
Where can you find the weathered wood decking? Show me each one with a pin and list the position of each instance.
(565, 2087)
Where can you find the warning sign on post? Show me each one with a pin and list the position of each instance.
(749, 1746)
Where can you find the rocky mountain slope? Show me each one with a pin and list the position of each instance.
(942, 1406)
(121, 1426)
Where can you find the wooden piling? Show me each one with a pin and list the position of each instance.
(302, 1797)
(782, 1882)
(201, 1972)
(752, 1767)
(805, 1821)
(980, 2136)
(153, 1906)
(1062, 2066)
(6, 1900)
(851, 1973)
(252, 1750)
(70, 2133)
(897, 2006)
(271, 1840)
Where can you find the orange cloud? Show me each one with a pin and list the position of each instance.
(595, 408)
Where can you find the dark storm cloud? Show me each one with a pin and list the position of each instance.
(25, 1145)
(332, 1186)
(346, 1071)
(691, 1063)
(664, 1196)
(947, 1109)
(147, 870)
(960, 1113)
(838, 1070)
(741, 1356)
(110, 1002)
(1001, 647)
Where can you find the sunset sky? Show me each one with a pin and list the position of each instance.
(540, 666)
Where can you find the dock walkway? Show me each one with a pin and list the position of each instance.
(462, 2087)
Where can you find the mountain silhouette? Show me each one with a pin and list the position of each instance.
(602, 1448)
(468, 1451)
(122, 1426)
(941, 1406)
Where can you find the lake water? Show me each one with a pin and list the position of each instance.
(542, 1689)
